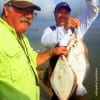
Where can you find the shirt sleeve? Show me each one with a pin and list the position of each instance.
(89, 16)
(48, 38)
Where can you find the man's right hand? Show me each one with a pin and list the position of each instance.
(72, 23)
(59, 51)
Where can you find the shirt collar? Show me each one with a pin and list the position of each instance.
(9, 27)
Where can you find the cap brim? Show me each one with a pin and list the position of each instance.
(35, 7)
(25, 4)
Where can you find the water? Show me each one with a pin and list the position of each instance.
(92, 39)
(93, 79)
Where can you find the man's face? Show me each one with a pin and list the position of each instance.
(61, 16)
(19, 19)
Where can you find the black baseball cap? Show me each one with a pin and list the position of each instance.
(64, 5)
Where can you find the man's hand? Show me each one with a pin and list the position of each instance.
(59, 51)
(45, 56)
(72, 23)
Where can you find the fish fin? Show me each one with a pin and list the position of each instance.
(81, 90)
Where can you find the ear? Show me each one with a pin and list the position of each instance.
(5, 9)
(54, 14)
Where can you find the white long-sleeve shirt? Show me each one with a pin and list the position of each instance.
(58, 34)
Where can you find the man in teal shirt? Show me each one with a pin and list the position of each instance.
(18, 61)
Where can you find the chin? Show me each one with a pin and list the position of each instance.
(62, 24)
(21, 32)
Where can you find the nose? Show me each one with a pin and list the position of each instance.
(29, 15)
(63, 14)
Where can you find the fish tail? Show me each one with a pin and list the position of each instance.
(81, 90)
(63, 97)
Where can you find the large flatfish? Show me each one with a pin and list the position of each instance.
(70, 70)
(78, 60)
(62, 79)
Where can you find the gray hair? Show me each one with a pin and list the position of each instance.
(8, 4)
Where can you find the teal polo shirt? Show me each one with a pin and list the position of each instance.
(18, 74)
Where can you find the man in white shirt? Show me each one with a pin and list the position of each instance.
(60, 33)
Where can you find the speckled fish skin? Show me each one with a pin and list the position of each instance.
(77, 58)
(62, 79)
(70, 71)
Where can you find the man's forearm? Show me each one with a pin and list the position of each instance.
(45, 56)
(93, 8)
(87, 18)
